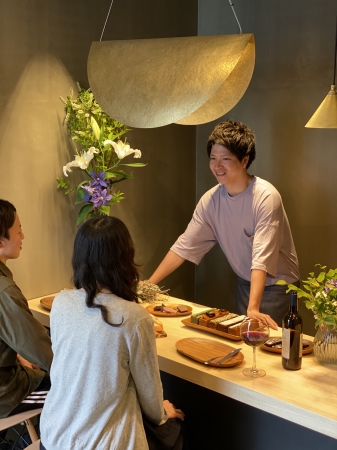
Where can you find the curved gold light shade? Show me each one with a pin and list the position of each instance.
(149, 83)
(326, 114)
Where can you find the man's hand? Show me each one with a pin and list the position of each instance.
(265, 318)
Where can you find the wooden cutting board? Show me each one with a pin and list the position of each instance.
(151, 310)
(201, 350)
(47, 302)
(232, 337)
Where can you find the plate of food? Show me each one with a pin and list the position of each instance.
(217, 321)
(209, 352)
(274, 345)
(47, 302)
(169, 310)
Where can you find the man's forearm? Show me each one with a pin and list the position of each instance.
(169, 264)
(257, 284)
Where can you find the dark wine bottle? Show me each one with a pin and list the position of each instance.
(292, 336)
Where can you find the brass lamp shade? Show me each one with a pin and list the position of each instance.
(326, 114)
(149, 83)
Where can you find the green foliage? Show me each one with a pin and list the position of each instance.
(81, 112)
(320, 295)
(65, 185)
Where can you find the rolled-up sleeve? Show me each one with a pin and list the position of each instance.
(267, 237)
(198, 238)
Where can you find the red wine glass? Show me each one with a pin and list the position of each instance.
(254, 333)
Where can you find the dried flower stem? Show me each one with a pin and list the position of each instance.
(150, 293)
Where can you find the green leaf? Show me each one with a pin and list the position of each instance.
(329, 320)
(83, 213)
(105, 210)
(134, 165)
(81, 193)
(123, 174)
(95, 128)
(281, 282)
(110, 175)
(118, 181)
(62, 183)
(321, 277)
(101, 136)
(117, 198)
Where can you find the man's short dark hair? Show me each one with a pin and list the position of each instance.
(7, 218)
(236, 137)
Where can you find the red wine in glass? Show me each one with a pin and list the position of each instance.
(254, 338)
(254, 333)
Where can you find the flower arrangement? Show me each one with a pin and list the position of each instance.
(150, 293)
(320, 295)
(99, 154)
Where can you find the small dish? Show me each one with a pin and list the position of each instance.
(151, 310)
(307, 347)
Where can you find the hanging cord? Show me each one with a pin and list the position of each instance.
(334, 70)
(232, 6)
(107, 19)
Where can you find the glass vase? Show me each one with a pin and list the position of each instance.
(325, 346)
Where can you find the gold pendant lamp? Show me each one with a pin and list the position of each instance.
(149, 83)
(326, 114)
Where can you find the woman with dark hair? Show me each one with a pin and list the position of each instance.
(105, 373)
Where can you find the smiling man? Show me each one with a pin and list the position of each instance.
(245, 216)
(23, 385)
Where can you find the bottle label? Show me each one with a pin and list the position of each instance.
(301, 344)
(286, 343)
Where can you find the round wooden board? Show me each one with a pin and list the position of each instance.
(201, 350)
(150, 308)
(305, 351)
(47, 302)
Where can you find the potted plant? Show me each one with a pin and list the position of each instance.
(320, 296)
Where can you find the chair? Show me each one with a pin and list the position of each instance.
(24, 417)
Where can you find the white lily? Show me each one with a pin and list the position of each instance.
(81, 161)
(122, 149)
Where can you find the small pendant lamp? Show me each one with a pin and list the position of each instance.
(326, 114)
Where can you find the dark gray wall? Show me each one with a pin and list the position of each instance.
(293, 74)
(43, 51)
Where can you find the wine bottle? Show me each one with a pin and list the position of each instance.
(292, 336)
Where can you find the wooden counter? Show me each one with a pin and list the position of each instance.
(307, 397)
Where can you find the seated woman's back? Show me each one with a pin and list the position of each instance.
(105, 371)
(99, 367)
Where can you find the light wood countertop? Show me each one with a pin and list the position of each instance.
(307, 397)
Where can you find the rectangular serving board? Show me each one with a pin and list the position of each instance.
(232, 337)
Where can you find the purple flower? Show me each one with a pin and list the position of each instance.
(331, 282)
(90, 190)
(100, 197)
(98, 179)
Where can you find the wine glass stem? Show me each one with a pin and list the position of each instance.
(254, 360)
